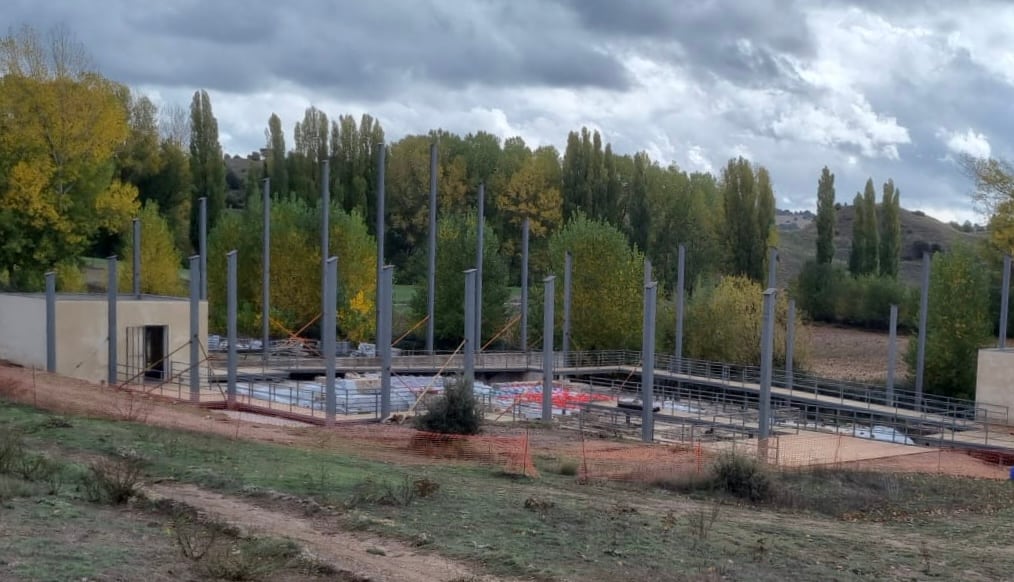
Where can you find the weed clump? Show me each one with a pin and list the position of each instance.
(742, 477)
(456, 411)
(113, 481)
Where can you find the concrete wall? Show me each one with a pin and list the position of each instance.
(23, 330)
(995, 379)
(81, 331)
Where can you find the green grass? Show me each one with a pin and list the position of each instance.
(554, 528)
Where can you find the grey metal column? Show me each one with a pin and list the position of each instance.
(387, 276)
(568, 267)
(51, 322)
(480, 236)
(231, 325)
(381, 153)
(767, 356)
(194, 370)
(773, 268)
(326, 295)
(648, 364)
(892, 354)
(137, 258)
(524, 285)
(431, 251)
(790, 344)
(549, 284)
(920, 365)
(468, 351)
(327, 330)
(266, 274)
(112, 343)
(202, 245)
(680, 302)
(647, 271)
(1004, 302)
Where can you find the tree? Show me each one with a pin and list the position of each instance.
(607, 292)
(456, 246)
(160, 260)
(864, 256)
(724, 324)
(139, 156)
(170, 189)
(958, 323)
(277, 170)
(532, 193)
(207, 167)
(890, 230)
(639, 208)
(825, 217)
(60, 126)
(748, 203)
(295, 267)
(311, 137)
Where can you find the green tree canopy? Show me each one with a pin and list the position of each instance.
(825, 217)
(160, 259)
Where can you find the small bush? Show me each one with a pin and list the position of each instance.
(254, 559)
(742, 477)
(12, 450)
(568, 468)
(456, 411)
(113, 481)
(11, 487)
(387, 493)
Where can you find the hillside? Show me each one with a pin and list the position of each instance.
(918, 233)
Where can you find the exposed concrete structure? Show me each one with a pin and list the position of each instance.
(994, 382)
(149, 329)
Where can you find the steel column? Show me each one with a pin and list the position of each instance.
(680, 302)
(469, 347)
(431, 251)
(231, 326)
(137, 258)
(790, 345)
(648, 364)
(923, 313)
(202, 245)
(549, 284)
(568, 268)
(767, 357)
(773, 268)
(266, 273)
(387, 277)
(524, 285)
(1004, 302)
(381, 152)
(480, 238)
(892, 354)
(51, 322)
(194, 369)
(112, 294)
(327, 329)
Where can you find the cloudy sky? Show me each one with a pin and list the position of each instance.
(869, 88)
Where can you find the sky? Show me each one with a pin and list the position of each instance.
(870, 89)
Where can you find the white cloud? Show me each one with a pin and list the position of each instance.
(969, 142)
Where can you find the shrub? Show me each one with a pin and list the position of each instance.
(254, 559)
(113, 481)
(12, 450)
(742, 477)
(456, 411)
(568, 468)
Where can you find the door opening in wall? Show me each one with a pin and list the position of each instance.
(146, 351)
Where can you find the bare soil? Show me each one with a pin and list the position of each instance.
(853, 354)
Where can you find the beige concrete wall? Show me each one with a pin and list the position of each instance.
(995, 379)
(23, 330)
(81, 330)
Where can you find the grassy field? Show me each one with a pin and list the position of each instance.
(830, 525)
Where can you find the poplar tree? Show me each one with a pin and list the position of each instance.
(825, 217)
(207, 167)
(890, 230)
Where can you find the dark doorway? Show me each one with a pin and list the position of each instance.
(156, 339)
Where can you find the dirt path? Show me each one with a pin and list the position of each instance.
(370, 557)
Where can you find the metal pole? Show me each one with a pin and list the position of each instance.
(387, 276)
(325, 250)
(480, 238)
(202, 247)
(1004, 302)
(524, 285)
(266, 274)
(469, 348)
(195, 330)
(773, 268)
(111, 297)
(327, 329)
(51, 322)
(231, 325)
(381, 153)
(547, 348)
(648, 364)
(647, 271)
(680, 302)
(790, 344)
(568, 267)
(767, 356)
(892, 354)
(431, 273)
(923, 312)
(137, 258)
